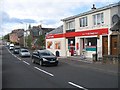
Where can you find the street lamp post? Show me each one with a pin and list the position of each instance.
(25, 34)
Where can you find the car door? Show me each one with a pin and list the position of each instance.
(36, 57)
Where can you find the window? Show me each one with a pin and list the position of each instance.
(98, 19)
(83, 22)
(91, 41)
(70, 25)
(40, 32)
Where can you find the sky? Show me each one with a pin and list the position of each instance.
(18, 14)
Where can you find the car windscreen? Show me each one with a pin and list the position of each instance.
(46, 53)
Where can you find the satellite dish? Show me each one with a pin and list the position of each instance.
(115, 18)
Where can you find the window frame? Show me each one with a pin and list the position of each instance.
(98, 19)
(69, 24)
(83, 21)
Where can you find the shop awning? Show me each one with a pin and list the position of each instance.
(116, 27)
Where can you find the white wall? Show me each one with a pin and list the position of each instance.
(90, 21)
(62, 50)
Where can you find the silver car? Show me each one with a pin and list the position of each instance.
(24, 53)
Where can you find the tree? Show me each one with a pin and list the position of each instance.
(41, 41)
(6, 37)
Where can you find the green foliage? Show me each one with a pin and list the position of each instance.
(29, 41)
(41, 41)
(6, 37)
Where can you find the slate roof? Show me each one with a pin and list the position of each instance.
(57, 30)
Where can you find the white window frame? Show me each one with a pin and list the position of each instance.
(98, 19)
(70, 25)
(83, 21)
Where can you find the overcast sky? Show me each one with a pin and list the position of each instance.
(16, 14)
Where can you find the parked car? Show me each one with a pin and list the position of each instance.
(16, 49)
(11, 46)
(7, 44)
(24, 53)
(44, 57)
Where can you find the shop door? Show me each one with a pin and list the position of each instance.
(105, 45)
(114, 45)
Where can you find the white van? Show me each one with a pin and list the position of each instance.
(11, 46)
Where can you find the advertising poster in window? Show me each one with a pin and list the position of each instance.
(57, 45)
(50, 44)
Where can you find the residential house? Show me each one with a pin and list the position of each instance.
(36, 31)
(17, 36)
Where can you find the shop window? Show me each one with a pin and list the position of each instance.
(49, 44)
(71, 41)
(90, 44)
(83, 22)
(57, 44)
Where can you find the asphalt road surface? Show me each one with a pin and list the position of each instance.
(22, 73)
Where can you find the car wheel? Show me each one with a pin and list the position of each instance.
(41, 63)
(33, 61)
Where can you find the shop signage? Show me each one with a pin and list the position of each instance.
(102, 31)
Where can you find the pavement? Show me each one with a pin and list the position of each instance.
(97, 65)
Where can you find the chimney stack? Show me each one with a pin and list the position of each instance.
(93, 8)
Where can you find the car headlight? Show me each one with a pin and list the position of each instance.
(45, 59)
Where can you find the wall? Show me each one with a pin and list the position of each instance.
(90, 21)
(114, 10)
(90, 26)
(14, 37)
(62, 49)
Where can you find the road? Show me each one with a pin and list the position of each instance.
(22, 73)
(0, 66)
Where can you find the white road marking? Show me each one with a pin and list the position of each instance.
(13, 54)
(26, 62)
(44, 71)
(77, 86)
(9, 51)
(19, 58)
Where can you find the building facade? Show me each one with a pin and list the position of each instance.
(36, 32)
(55, 41)
(89, 33)
(16, 36)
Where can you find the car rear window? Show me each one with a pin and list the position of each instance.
(24, 51)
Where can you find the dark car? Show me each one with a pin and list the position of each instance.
(16, 49)
(44, 57)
